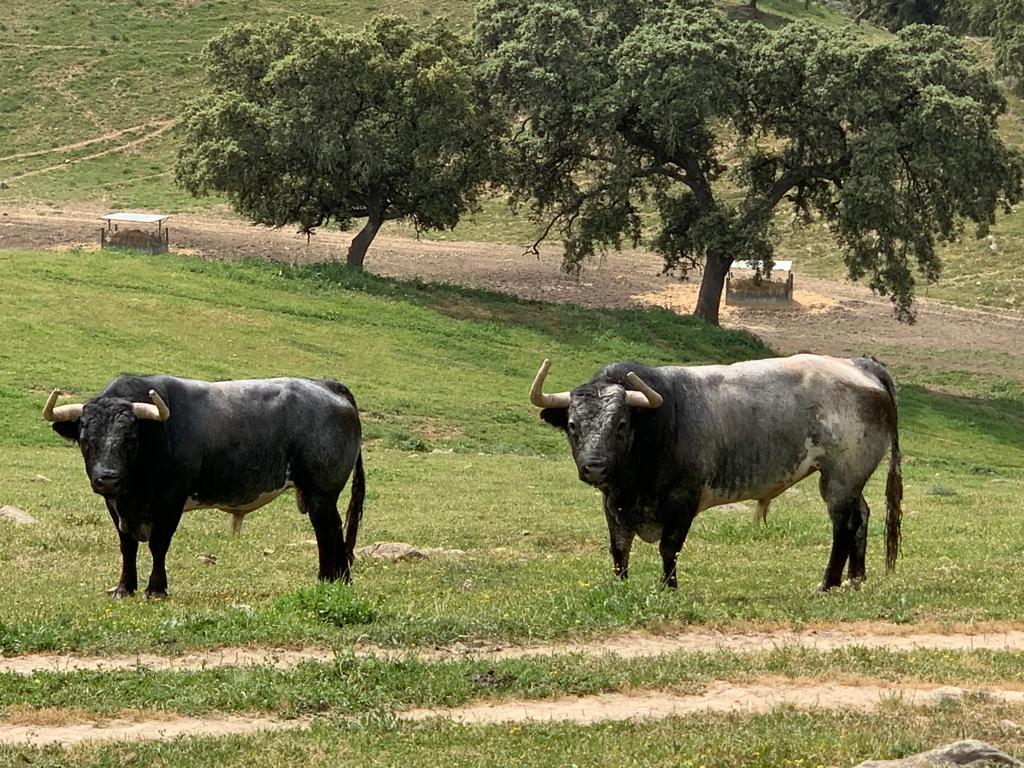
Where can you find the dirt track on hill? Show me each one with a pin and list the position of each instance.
(831, 317)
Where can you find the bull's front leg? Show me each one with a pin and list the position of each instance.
(159, 543)
(620, 541)
(678, 518)
(129, 580)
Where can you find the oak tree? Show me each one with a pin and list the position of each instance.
(671, 124)
(306, 125)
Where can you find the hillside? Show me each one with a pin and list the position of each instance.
(88, 98)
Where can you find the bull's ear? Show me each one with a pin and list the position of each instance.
(556, 417)
(67, 429)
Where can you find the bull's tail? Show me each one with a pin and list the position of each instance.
(894, 482)
(355, 509)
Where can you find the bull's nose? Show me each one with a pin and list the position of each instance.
(106, 483)
(592, 472)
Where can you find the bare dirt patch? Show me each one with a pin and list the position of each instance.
(720, 696)
(124, 729)
(830, 317)
(625, 645)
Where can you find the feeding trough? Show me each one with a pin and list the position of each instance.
(745, 286)
(120, 234)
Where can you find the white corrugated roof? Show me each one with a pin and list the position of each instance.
(782, 266)
(140, 218)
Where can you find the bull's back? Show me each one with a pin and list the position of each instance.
(236, 440)
(763, 425)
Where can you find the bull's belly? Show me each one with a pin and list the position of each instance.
(649, 532)
(714, 497)
(237, 507)
(766, 482)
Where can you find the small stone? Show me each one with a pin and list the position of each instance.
(15, 515)
(207, 559)
(40, 479)
(468, 584)
(1008, 727)
(268, 551)
(395, 551)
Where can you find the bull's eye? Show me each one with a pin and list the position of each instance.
(572, 428)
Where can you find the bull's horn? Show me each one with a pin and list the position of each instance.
(646, 397)
(158, 411)
(541, 400)
(71, 412)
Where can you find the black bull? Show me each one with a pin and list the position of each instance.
(157, 446)
(662, 444)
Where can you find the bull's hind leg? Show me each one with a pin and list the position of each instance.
(858, 553)
(846, 510)
(330, 539)
(620, 542)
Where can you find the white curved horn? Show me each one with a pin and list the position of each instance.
(158, 411)
(646, 397)
(541, 400)
(72, 412)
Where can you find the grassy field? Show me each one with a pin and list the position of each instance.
(457, 458)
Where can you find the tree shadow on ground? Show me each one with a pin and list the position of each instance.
(678, 338)
(979, 434)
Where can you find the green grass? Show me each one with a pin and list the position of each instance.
(352, 686)
(447, 369)
(788, 738)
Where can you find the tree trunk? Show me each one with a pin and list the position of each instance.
(361, 242)
(711, 285)
(752, 4)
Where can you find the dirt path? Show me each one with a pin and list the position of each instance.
(830, 316)
(171, 727)
(109, 136)
(719, 696)
(158, 129)
(626, 645)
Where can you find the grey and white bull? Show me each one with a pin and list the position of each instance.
(158, 446)
(663, 444)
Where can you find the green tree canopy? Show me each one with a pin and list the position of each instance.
(1008, 36)
(306, 125)
(713, 124)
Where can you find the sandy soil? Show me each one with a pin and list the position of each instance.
(830, 317)
(719, 696)
(626, 645)
(123, 729)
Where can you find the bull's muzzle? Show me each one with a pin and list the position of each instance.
(106, 484)
(593, 472)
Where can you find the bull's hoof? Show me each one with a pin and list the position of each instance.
(152, 594)
(823, 588)
(120, 592)
(854, 583)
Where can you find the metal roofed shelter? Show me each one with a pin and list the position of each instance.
(744, 286)
(116, 236)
